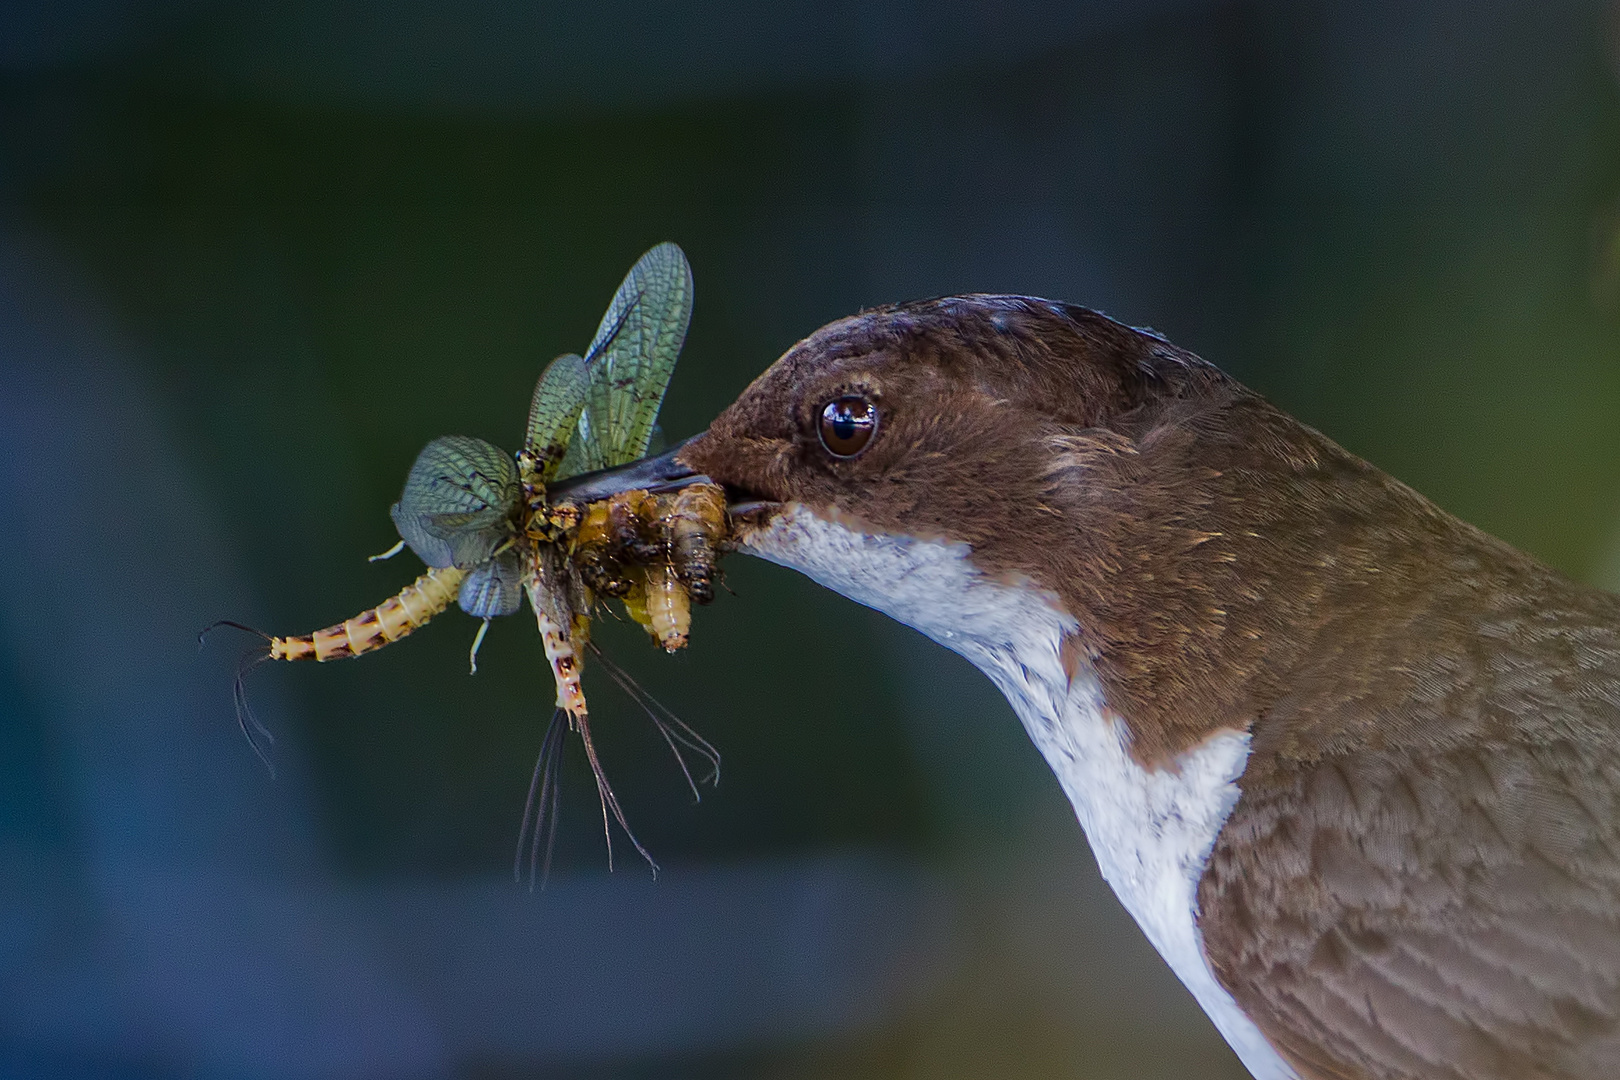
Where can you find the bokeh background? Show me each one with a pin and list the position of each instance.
(254, 255)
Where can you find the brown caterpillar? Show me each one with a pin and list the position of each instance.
(697, 521)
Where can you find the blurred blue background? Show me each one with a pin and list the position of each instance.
(253, 256)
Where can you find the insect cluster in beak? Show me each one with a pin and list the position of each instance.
(654, 551)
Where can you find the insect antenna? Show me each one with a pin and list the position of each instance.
(542, 811)
(676, 732)
(257, 735)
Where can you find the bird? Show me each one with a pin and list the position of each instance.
(1352, 764)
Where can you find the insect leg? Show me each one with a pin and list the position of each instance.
(472, 653)
(389, 554)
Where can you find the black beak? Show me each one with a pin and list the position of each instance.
(661, 473)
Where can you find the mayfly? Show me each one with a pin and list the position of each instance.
(492, 529)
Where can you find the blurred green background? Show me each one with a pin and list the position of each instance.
(253, 256)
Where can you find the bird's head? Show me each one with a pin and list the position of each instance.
(1046, 490)
(952, 420)
(1006, 474)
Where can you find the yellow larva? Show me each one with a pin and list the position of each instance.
(669, 608)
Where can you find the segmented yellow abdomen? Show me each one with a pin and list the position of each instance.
(389, 621)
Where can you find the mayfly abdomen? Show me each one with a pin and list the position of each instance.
(559, 650)
(389, 621)
(554, 617)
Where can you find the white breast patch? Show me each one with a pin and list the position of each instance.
(1150, 830)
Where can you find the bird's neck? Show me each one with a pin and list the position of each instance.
(1151, 829)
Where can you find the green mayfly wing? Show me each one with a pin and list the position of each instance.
(559, 397)
(459, 503)
(632, 359)
(493, 588)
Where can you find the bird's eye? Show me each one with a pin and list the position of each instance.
(847, 425)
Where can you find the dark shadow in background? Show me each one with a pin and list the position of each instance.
(252, 257)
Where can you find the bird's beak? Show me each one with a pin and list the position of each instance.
(656, 474)
(661, 473)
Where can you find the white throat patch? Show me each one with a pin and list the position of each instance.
(1151, 831)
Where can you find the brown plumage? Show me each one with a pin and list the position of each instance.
(1421, 878)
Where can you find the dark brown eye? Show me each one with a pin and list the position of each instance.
(847, 425)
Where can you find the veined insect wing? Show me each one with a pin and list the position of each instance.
(657, 442)
(493, 588)
(459, 473)
(460, 501)
(632, 359)
(559, 397)
(428, 546)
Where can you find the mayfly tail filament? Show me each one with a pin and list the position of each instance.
(541, 807)
(609, 801)
(202, 635)
(257, 735)
(675, 731)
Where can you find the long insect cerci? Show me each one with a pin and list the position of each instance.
(541, 807)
